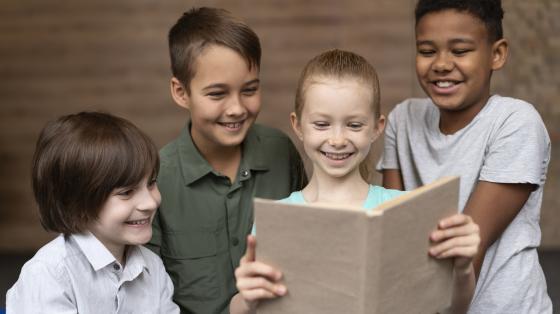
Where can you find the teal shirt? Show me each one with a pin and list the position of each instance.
(201, 227)
(376, 196)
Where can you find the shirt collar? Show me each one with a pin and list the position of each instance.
(99, 256)
(194, 166)
(96, 253)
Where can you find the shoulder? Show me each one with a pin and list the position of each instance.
(511, 116)
(270, 135)
(413, 107)
(169, 151)
(49, 261)
(412, 112)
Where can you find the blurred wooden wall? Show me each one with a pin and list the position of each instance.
(60, 57)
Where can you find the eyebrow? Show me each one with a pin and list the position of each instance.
(222, 85)
(452, 41)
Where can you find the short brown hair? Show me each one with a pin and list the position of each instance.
(201, 27)
(80, 159)
(339, 64)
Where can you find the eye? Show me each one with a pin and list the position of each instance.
(355, 125)
(152, 183)
(461, 52)
(320, 125)
(125, 193)
(216, 94)
(250, 91)
(426, 52)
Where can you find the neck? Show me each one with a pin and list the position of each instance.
(119, 252)
(453, 121)
(349, 190)
(223, 159)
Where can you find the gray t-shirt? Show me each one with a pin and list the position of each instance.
(506, 142)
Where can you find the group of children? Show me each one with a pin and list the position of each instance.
(94, 175)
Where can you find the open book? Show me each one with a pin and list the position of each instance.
(347, 260)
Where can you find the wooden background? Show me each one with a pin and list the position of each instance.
(59, 57)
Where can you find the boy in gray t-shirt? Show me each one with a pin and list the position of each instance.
(497, 145)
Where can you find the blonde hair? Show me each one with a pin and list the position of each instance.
(341, 64)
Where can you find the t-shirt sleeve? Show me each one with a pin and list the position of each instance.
(389, 157)
(41, 289)
(519, 152)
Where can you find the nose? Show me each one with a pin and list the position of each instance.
(235, 107)
(338, 138)
(149, 198)
(443, 63)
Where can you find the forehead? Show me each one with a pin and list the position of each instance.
(450, 24)
(222, 64)
(325, 95)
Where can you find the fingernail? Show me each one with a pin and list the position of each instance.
(281, 290)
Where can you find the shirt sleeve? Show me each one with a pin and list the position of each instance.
(389, 158)
(41, 289)
(167, 304)
(519, 152)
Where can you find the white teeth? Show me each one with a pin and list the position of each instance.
(444, 84)
(337, 156)
(138, 222)
(232, 125)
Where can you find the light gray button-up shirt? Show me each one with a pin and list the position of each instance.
(77, 274)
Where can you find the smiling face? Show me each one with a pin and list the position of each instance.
(126, 217)
(337, 125)
(455, 60)
(224, 98)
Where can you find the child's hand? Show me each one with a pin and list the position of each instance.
(256, 280)
(458, 237)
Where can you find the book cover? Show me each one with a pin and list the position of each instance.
(338, 259)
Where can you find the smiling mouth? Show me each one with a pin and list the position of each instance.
(445, 84)
(337, 156)
(231, 125)
(139, 222)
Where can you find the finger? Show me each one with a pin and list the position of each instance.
(454, 220)
(250, 253)
(455, 231)
(258, 269)
(467, 252)
(258, 294)
(456, 246)
(260, 283)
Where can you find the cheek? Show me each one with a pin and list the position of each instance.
(253, 104)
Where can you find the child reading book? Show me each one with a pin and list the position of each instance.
(94, 182)
(337, 118)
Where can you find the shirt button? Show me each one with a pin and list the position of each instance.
(244, 173)
(230, 195)
(116, 267)
(235, 241)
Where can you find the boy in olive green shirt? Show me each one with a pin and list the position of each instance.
(221, 160)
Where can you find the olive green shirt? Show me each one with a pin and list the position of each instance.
(201, 227)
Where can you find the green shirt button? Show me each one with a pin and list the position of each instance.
(235, 241)
(230, 195)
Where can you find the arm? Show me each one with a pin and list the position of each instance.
(255, 281)
(493, 206)
(458, 237)
(392, 179)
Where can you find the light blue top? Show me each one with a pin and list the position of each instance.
(376, 196)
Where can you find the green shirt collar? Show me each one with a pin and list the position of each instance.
(194, 166)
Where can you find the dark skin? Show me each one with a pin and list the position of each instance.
(492, 206)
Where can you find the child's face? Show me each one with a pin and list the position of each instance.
(454, 60)
(126, 216)
(224, 98)
(337, 125)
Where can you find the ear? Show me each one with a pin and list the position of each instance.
(296, 125)
(379, 128)
(179, 93)
(499, 54)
